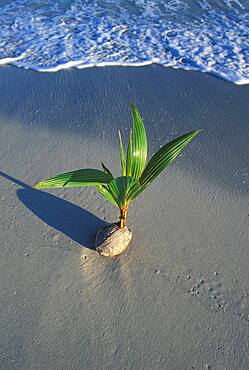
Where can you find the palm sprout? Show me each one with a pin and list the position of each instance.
(137, 173)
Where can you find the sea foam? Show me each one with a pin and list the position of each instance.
(205, 35)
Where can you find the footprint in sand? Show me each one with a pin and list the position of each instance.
(213, 295)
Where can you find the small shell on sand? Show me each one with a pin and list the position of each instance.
(111, 241)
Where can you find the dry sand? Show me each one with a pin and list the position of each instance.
(178, 300)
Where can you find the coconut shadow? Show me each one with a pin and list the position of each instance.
(75, 222)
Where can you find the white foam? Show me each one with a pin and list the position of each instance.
(70, 64)
(10, 60)
(237, 80)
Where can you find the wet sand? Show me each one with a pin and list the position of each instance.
(178, 299)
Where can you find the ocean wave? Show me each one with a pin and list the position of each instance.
(205, 35)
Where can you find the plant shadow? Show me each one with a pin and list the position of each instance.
(75, 222)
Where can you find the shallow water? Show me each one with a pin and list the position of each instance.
(205, 35)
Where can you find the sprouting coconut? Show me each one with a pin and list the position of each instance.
(137, 174)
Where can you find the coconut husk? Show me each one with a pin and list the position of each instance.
(111, 241)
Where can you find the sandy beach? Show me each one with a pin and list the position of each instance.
(178, 299)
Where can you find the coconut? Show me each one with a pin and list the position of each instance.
(111, 240)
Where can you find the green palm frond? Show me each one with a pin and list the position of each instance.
(122, 156)
(106, 169)
(85, 177)
(163, 157)
(129, 156)
(136, 174)
(105, 192)
(121, 189)
(139, 153)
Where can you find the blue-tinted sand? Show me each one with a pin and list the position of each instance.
(178, 300)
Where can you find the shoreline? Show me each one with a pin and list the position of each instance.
(78, 65)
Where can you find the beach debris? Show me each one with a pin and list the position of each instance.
(136, 175)
(112, 240)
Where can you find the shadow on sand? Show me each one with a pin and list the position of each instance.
(68, 218)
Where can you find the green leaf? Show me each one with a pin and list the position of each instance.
(163, 157)
(104, 191)
(139, 144)
(122, 154)
(106, 169)
(129, 156)
(85, 177)
(122, 188)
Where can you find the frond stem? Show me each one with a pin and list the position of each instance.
(123, 216)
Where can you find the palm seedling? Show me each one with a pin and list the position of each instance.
(137, 173)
